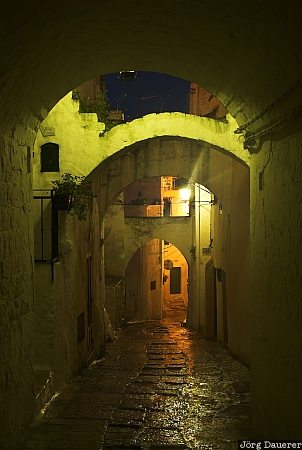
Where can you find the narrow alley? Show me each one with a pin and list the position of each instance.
(160, 386)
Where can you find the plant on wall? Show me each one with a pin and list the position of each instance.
(72, 194)
(100, 106)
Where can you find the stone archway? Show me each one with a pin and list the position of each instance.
(194, 160)
(42, 63)
(91, 37)
(83, 146)
(228, 180)
(155, 291)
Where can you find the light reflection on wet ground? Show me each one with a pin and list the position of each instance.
(160, 386)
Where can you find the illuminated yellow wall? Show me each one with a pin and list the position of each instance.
(83, 145)
(60, 301)
(77, 136)
(212, 131)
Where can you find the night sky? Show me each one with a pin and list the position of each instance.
(147, 93)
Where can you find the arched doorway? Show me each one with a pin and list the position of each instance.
(156, 280)
(175, 296)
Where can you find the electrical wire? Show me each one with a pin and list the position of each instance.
(287, 117)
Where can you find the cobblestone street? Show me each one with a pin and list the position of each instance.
(160, 386)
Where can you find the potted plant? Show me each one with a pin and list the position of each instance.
(72, 194)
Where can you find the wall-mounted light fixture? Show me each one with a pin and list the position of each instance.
(185, 194)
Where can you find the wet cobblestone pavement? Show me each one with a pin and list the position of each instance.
(160, 386)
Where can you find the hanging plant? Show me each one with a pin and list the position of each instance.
(72, 194)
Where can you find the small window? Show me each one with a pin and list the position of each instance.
(153, 285)
(50, 157)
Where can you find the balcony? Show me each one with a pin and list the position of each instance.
(159, 210)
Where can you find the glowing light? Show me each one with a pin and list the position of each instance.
(185, 194)
(127, 74)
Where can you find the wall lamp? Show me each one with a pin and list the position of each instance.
(185, 194)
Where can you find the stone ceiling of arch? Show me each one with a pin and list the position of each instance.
(237, 52)
(166, 156)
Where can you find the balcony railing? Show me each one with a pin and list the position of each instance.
(174, 210)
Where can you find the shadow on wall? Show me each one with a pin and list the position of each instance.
(69, 319)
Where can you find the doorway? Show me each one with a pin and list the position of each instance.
(175, 280)
(175, 284)
(156, 280)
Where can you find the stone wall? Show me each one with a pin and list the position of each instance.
(253, 57)
(60, 301)
(62, 305)
(231, 254)
(276, 199)
(125, 236)
(77, 136)
(16, 288)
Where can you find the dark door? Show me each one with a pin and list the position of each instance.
(175, 280)
(211, 300)
(167, 206)
(215, 305)
(225, 307)
(89, 304)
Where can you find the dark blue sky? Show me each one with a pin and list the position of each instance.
(148, 92)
